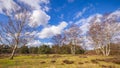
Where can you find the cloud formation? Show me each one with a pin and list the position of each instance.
(8, 5)
(86, 21)
(38, 11)
(34, 43)
(99, 17)
(53, 30)
(38, 18)
(80, 13)
(35, 4)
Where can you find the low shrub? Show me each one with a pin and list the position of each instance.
(68, 61)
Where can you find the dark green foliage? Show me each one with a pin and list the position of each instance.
(44, 49)
(33, 50)
(65, 49)
(24, 50)
(5, 49)
(79, 50)
(55, 49)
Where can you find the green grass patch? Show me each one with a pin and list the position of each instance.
(56, 61)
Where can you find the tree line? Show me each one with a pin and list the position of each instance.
(43, 49)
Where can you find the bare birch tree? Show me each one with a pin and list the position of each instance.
(15, 31)
(102, 34)
(73, 37)
(58, 39)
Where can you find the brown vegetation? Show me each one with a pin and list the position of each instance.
(42, 62)
(68, 61)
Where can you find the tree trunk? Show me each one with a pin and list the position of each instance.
(108, 52)
(97, 51)
(72, 49)
(105, 50)
(102, 49)
(13, 52)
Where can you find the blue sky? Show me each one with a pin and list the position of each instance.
(65, 10)
(54, 16)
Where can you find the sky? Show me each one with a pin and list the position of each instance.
(52, 17)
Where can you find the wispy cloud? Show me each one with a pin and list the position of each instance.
(61, 16)
(80, 13)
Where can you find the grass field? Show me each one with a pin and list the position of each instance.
(60, 61)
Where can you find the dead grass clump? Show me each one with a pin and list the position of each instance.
(113, 60)
(42, 62)
(56, 56)
(53, 61)
(68, 61)
(94, 61)
(80, 63)
(116, 61)
(2, 56)
(82, 56)
(103, 66)
(100, 59)
(62, 63)
(86, 62)
(111, 66)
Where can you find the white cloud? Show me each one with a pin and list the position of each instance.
(84, 28)
(88, 44)
(38, 15)
(115, 14)
(48, 43)
(53, 30)
(38, 18)
(86, 21)
(44, 1)
(80, 13)
(8, 5)
(31, 33)
(46, 9)
(34, 43)
(35, 4)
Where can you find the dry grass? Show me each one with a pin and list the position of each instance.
(60, 61)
